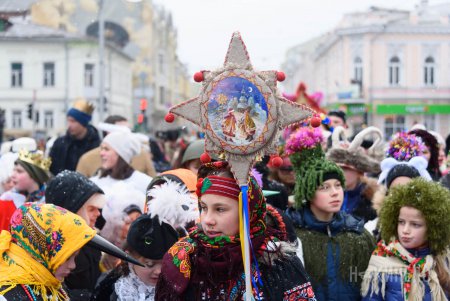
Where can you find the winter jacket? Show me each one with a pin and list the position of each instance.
(358, 202)
(335, 253)
(90, 163)
(66, 150)
(393, 290)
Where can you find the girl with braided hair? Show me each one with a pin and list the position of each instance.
(208, 264)
(324, 230)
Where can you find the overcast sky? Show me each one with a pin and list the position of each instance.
(268, 27)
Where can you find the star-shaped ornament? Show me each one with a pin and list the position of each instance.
(240, 110)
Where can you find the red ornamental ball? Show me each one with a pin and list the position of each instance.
(205, 158)
(277, 161)
(281, 76)
(315, 122)
(198, 76)
(169, 117)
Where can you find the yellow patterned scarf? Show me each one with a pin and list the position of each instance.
(41, 238)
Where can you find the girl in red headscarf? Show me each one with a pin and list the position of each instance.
(208, 264)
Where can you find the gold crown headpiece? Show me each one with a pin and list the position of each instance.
(84, 106)
(36, 159)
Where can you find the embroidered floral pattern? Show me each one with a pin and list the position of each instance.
(180, 256)
(414, 264)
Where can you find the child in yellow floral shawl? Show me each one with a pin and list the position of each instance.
(39, 250)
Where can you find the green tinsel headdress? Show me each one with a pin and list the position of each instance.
(432, 199)
(309, 163)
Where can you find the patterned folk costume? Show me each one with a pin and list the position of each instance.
(198, 267)
(42, 237)
(262, 112)
(397, 273)
(333, 251)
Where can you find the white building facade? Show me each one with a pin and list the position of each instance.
(387, 68)
(49, 68)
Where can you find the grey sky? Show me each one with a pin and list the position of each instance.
(268, 27)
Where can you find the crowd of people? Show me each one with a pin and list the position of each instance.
(124, 218)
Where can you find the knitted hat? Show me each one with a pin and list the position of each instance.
(124, 144)
(70, 190)
(432, 199)
(150, 237)
(310, 166)
(24, 143)
(81, 111)
(354, 156)
(401, 170)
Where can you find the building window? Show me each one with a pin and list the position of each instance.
(161, 63)
(16, 74)
(162, 95)
(428, 71)
(49, 74)
(16, 119)
(393, 124)
(88, 75)
(429, 121)
(394, 71)
(358, 69)
(48, 119)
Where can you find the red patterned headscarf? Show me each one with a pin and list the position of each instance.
(199, 260)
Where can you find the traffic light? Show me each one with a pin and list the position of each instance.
(30, 111)
(140, 118)
(143, 104)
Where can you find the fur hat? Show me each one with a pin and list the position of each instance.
(354, 156)
(430, 198)
(309, 163)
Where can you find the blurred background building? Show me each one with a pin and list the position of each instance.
(50, 56)
(384, 67)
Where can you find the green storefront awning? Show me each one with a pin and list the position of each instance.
(412, 109)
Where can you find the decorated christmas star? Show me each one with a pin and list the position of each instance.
(240, 110)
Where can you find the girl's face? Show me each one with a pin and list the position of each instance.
(150, 273)
(64, 269)
(219, 215)
(411, 228)
(108, 155)
(327, 200)
(426, 153)
(22, 180)
(441, 158)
